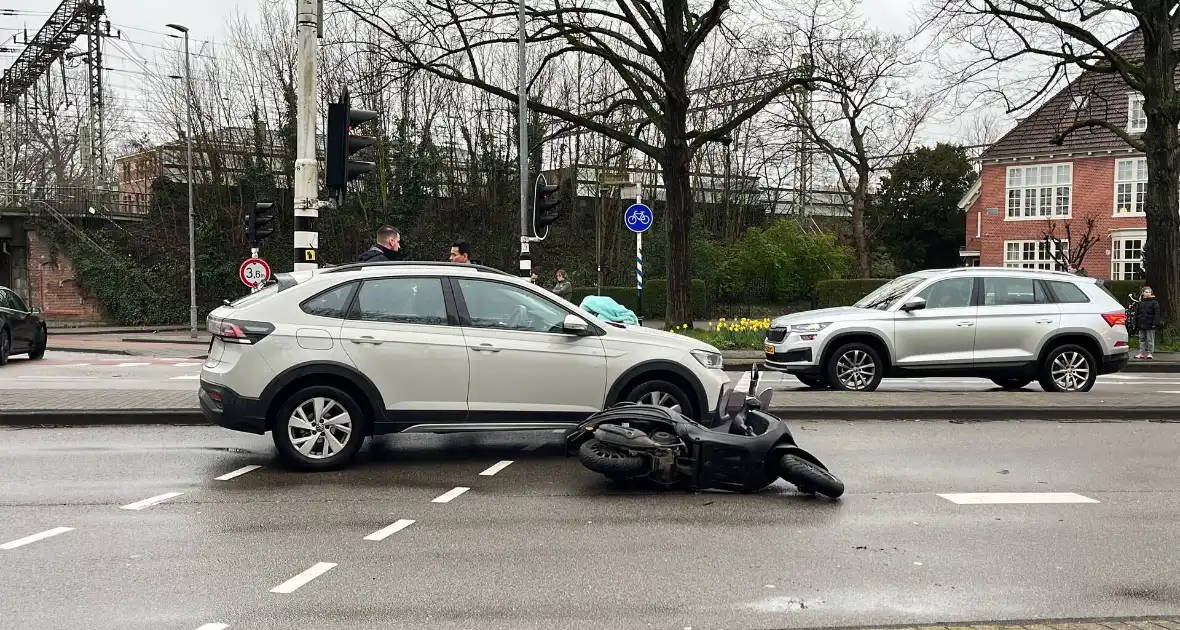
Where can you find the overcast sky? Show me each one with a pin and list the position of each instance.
(142, 25)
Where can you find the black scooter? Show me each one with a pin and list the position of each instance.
(746, 450)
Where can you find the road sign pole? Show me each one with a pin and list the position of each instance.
(639, 260)
(254, 254)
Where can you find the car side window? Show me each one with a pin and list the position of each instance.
(1013, 292)
(503, 306)
(17, 303)
(948, 293)
(401, 301)
(1067, 292)
(331, 303)
(4, 302)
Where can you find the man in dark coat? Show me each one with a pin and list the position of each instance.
(388, 247)
(1147, 320)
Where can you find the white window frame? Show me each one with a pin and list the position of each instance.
(1033, 198)
(1136, 117)
(1134, 189)
(1118, 263)
(1039, 249)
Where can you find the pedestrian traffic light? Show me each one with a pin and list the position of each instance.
(544, 206)
(258, 222)
(341, 144)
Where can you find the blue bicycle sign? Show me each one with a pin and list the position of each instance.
(638, 218)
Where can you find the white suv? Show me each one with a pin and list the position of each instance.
(1012, 326)
(323, 358)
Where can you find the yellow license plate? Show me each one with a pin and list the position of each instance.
(769, 349)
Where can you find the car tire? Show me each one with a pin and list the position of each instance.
(320, 409)
(814, 382)
(664, 394)
(1068, 368)
(5, 346)
(861, 365)
(38, 351)
(1011, 383)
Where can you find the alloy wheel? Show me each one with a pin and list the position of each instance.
(1070, 371)
(661, 399)
(319, 428)
(855, 369)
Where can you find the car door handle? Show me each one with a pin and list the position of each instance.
(367, 339)
(486, 347)
(1044, 321)
(965, 324)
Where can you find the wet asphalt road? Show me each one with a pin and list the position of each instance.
(543, 543)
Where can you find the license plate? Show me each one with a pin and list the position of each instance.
(769, 349)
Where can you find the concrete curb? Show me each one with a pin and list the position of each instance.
(1151, 367)
(179, 342)
(125, 353)
(192, 416)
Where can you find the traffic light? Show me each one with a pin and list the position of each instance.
(258, 222)
(544, 206)
(342, 144)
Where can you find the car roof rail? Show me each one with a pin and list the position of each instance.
(413, 263)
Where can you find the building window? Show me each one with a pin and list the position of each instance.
(1136, 117)
(1125, 256)
(1032, 254)
(1038, 192)
(1130, 186)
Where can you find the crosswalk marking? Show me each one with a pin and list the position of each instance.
(986, 498)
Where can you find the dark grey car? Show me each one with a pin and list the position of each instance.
(22, 330)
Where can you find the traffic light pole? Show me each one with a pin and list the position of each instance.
(307, 204)
(526, 265)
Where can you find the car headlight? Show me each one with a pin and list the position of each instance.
(711, 360)
(809, 328)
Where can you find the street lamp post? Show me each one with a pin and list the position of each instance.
(192, 230)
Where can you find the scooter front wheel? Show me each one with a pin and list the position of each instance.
(809, 478)
(606, 460)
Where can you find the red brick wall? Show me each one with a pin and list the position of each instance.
(1092, 196)
(52, 285)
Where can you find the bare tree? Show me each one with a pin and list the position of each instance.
(1070, 253)
(866, 118)
(650, 49)
(1133, 40)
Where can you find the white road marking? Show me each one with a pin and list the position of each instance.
(386, 532)
(985, 498)
(449, 494)
(77, 365)
(560, 430)
(139, 505)
(186, 377)
(237, 473)
(214, 626)
(20, 542)
(58, 377)
(131, 364)
(293, 584)
(532, 447)
(1169, 391)
(188, 364)
(496, 468)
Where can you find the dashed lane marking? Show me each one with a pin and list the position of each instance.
(987, 498)
(386, 532)
(189, 364)
(214, 626)
(293, 584)
(20, 542)
(139, 505)
(496, 468)
(131, 364)
(447, 496)
(237, 473)
(186, 377)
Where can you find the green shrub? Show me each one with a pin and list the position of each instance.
(1120, 289)
(776, 265)
(655, 296)
(832, 293)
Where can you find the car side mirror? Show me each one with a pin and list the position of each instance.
(914, 304)
(36, 310)
(575, 325)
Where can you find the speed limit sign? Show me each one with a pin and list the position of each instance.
(254, 272)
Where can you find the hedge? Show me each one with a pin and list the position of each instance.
(655, 296)
(1120, 289)
(831, 293)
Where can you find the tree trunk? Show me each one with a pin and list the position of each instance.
(1163, 188)
(864, 256)
(677, 184)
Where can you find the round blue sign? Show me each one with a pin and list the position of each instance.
(638, 217)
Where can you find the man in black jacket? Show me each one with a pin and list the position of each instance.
(388, 247)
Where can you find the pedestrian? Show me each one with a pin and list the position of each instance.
(460, 252)
(388, 247)
(1147, 321)
(564, 288)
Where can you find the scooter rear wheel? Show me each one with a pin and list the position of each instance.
(809, 478)
(605, 460)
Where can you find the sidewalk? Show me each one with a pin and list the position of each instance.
(71, 408)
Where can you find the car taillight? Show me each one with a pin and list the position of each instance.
(1115, 319)
(238, 331)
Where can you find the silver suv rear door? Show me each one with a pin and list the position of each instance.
(1016, 315)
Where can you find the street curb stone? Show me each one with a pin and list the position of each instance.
(1114, 623)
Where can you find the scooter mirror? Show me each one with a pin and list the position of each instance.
(764, 397)
(733, 402)
(753, 379)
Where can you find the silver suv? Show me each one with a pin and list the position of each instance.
(1012, 326)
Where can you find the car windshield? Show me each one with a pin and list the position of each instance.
(889, 293)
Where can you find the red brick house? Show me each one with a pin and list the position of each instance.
(1029, 186)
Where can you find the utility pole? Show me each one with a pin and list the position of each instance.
(306, 241)
(526, 265)
(192, 228)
